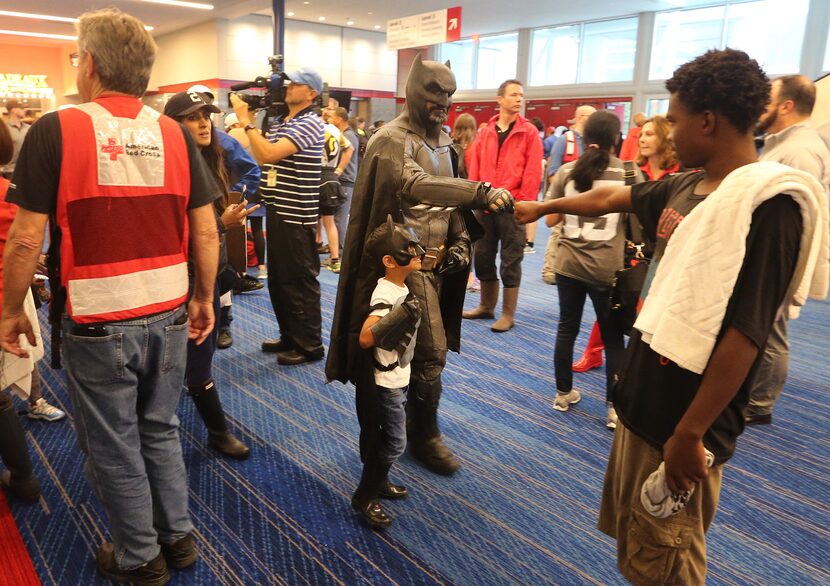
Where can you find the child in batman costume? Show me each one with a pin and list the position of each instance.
(389, 329)
(409, 172)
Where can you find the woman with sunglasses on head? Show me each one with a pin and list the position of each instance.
(193, 111)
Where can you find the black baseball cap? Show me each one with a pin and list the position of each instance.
(185, 103)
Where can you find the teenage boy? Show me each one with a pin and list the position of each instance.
(684, 384)
(389, 329)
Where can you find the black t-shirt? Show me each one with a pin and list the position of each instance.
(661, 205)
(37, 174)
(653, 393)
(502, 134)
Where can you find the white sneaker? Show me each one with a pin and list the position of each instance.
(611, 422)
(43, 410)
(563, 401)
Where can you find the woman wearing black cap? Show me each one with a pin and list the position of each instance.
(193, 110)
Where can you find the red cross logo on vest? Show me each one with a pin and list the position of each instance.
(112, 149)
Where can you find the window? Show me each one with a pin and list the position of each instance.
(555, 55)
(461, 55)
(608, 51)
(594, 52)
(657, 107)
(497, 58)
(482, 63)
(770, 31)
(683, 35)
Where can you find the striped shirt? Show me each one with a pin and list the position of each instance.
(291, 187)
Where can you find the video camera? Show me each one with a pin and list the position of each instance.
(273, 99)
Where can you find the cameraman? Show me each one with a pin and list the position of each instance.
(290, 157)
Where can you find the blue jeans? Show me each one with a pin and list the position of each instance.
(572, 293)
(125, 379)
(392, 423)
(341, 216)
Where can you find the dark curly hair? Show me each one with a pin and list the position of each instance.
(726, 81)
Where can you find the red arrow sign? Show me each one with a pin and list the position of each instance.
(453, 24)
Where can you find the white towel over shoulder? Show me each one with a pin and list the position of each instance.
(685, 307)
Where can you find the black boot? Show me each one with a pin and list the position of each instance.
(225, 339)
(19, 476)
(365, 500)
(424, 437)
(209, 407)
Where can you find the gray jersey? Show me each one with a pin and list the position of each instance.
(590, 249)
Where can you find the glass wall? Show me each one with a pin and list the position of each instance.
(827, 56)
(461, 55)
(770, 31)
(554, 55)
(608, 51)
(482, 63)
(497, 58)
(593, 52)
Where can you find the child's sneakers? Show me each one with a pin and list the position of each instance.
(656, 497)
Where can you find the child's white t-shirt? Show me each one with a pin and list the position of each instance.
(389, 293)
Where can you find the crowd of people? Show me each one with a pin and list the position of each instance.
(407, 210)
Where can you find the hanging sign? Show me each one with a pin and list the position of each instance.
(429, 28)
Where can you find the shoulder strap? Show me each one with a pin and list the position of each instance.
(630, 173)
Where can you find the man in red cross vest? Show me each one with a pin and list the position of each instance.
(128, 199)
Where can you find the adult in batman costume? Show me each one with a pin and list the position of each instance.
(409, 172)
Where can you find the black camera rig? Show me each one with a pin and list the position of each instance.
(272, 100)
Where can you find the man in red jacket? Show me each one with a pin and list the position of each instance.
(506, 153)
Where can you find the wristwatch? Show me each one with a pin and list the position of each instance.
(250, 127)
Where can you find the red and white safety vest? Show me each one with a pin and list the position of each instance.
(571, 147)
(122, 210)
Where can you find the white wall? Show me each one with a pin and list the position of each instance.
(186, 55)
(238, 50)
(365, 62)
(244, 45)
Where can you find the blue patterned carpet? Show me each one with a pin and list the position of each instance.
(521, 511)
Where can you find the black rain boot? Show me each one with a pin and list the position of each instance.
(365, 500)
(424, 437)
(209, 407)
(19, 476)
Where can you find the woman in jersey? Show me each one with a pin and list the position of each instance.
(193, 110)
(657, 159)
(590, 252)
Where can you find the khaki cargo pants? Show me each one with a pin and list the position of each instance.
(652, 551)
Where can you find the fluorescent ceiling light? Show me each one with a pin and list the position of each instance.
(182, 4)
(321, 18)
(290, 14)
(48, 17)
(40, 35)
